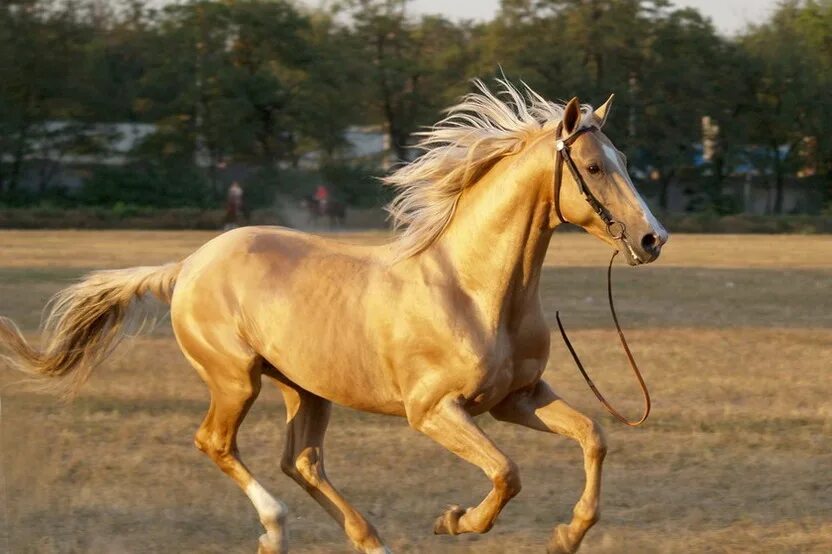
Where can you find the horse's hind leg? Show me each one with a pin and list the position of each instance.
(234, 387)
(303, 461)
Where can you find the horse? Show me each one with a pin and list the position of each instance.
(334, 209)
(440, 325)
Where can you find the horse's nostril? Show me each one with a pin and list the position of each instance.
(650, 243)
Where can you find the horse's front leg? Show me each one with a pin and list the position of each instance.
(450, 425)
(540, 408)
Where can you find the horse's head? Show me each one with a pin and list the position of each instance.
(593, 190)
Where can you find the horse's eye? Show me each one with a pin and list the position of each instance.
(593, 169)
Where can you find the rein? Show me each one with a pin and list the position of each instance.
(645, 393)
(562, 155)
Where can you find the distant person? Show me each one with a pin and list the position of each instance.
(322, 197)
(322, 204)
(233, 206)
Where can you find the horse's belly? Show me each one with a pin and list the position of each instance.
(340, 373)
(349, 391)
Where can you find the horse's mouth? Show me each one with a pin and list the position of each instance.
(636, 258)
(629, 254)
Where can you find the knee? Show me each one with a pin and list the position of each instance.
(595, 442)
(205, 442)
(219, 450)
(201, 442)
(507, 479)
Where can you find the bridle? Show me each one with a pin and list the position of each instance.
(617, 231)
(563, 155)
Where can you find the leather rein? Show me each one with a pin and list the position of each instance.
(617, 231)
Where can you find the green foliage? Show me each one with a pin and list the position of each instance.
(356, 184)
(263, 83)
(147, 185)
(261, 189)
(412, 68)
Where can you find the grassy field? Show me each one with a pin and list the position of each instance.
(734, 334)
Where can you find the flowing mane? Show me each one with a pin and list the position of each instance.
(482, 128)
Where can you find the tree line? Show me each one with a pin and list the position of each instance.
(266, 82)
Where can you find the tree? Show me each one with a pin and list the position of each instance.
(233, 90)
(415, 67)
(814, 22)
(264, 82)
(658, 61)
(331, 95)
(671, 91)
(785, 91)
(39, 47)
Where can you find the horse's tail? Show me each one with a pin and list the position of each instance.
(85, 323)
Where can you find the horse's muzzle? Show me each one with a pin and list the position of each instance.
(645, 250)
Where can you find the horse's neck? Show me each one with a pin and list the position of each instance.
(498, 237)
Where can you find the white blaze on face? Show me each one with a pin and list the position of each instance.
(613, 161)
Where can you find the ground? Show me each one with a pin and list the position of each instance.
(734, 334)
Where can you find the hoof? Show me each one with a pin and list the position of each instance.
(448, 523)
(561, 542)
(268, 546)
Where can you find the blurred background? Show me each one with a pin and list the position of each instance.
(119, 113)
(124, 114)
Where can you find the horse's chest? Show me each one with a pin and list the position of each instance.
(520, 363)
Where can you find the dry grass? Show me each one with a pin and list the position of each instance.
(734, 334)
(95, 249)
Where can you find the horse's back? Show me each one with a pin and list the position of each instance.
(266, 246)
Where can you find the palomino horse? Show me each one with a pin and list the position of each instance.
(443, 324)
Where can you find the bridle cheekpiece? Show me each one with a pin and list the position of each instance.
(616, 229)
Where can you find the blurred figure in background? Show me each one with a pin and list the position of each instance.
(321, 204)
(233, 206)
(322, 197)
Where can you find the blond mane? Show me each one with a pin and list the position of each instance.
(482, 128)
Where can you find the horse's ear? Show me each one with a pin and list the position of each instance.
(603, 111)
(571, 117)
